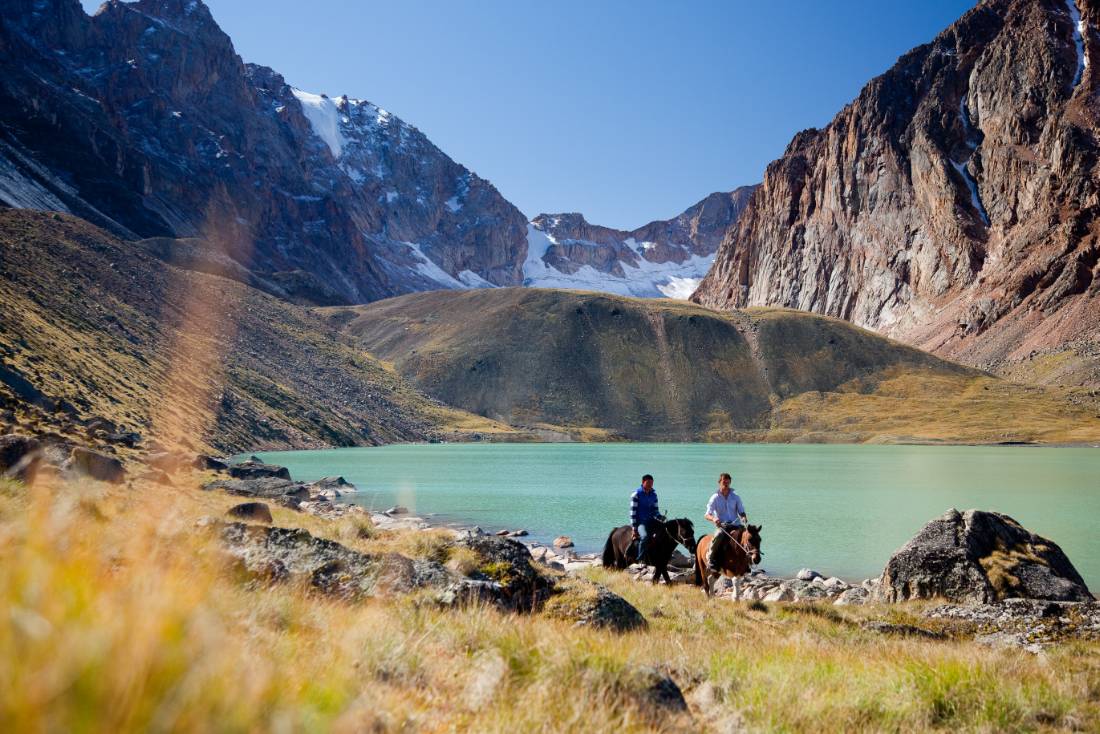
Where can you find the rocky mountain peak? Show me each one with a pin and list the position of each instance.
(662, 258)
(952, 204)
(193, 13)
(143, 119)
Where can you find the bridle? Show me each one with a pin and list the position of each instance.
(748, 553)
(679, 536)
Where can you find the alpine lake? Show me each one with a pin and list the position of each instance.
(839, 509)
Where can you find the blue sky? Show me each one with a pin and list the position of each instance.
(625, 111)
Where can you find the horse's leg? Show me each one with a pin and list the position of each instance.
(736, 587)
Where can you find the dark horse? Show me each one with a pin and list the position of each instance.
(736, 559)
(620, 550)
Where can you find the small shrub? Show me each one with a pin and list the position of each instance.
(357, 527)
(463, 561)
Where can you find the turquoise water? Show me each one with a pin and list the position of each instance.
(839, 509)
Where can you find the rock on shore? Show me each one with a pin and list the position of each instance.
(980, 557)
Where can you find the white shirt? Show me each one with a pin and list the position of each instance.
(726, 509)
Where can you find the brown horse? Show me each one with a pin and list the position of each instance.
(620, 550)
(736, 560)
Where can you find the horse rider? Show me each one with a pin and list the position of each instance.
(727, 512)
(644, 514)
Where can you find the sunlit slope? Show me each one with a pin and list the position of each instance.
(667, 370)
(92, 326)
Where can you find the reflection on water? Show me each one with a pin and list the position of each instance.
(839, 509)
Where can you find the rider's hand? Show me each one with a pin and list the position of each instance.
(634, 534)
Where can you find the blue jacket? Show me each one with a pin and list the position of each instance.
(643, 507)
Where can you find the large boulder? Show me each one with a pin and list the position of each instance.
(589, 604)
(331, 488)
(95, 465)
(508, 563)
(654, 688)
(204, 462)
(284, 491)
(255, 511)
(336, 484)
(255, 469)
(20, 457)
(977, 557)
(275, 554)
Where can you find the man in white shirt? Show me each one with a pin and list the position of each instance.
(727, 512)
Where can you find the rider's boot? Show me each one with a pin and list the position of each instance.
(712, 567)
(712, 560)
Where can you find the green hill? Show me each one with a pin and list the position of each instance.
(594, 365)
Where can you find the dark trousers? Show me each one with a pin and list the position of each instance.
(645, 530)
(721, 543)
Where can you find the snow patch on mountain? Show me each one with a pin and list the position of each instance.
(680, 288)
(645, 280)
(470, 279)
(975, 199)
(324, 118)
(1079, 30)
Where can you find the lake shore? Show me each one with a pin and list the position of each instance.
(873, 498)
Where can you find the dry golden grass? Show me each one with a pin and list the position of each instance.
(941, 408)
(119, 617)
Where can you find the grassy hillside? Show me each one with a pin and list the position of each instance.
(120, 617)
(595, 364)
(95, 327)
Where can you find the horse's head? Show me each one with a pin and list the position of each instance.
(683, 532)
(750, 539)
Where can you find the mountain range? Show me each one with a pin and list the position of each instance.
(663, 258)
(952, 205)
(105, 344)
(142, 119)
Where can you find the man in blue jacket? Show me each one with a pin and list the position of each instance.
(644, 513)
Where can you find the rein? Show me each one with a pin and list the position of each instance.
(679, 536)
(735, 540)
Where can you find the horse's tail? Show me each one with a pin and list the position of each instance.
(698, 571)
(609, 551)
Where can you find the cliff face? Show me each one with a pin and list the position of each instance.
(142, 119)
(665, 257)
(953, 204)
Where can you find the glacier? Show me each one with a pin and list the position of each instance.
(646, 280)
